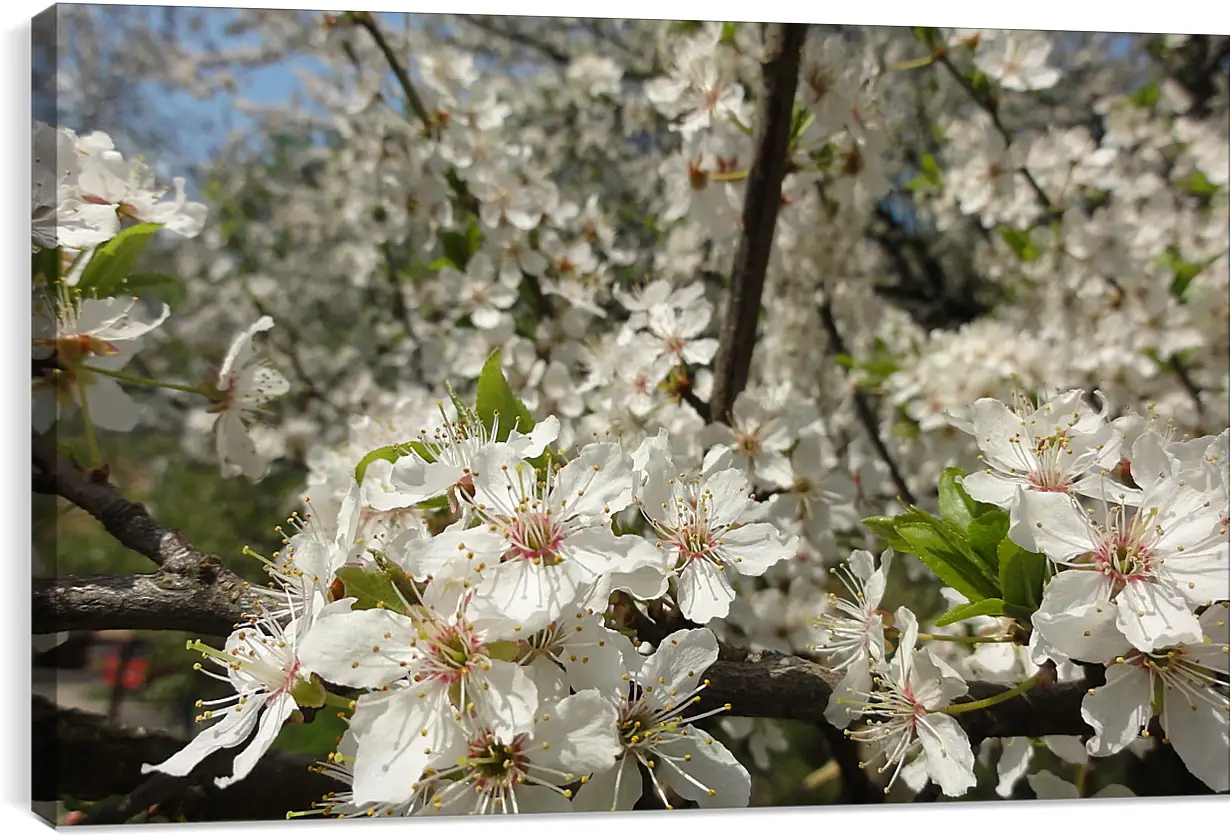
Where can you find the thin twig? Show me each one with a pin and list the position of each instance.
(368, 22)
(990, 107)
(867, 418)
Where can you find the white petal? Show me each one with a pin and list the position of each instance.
(717, 778)
(1198, 730)
(704, 592)
(336, 643)
(950, 760)
(1119, 710)
(1152, 617)
(1014, 762)
(615, 790)
(392, 748)
(228, 732)
(508, 697)
(579, 734)
(680, 661)
(275, 713)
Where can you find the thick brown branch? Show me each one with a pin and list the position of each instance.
(78, 753)
(780, 75)
(157, 601)
(772, 685)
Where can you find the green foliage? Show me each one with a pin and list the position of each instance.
(113, 260)
(929, 177)
(1022, 577)
(170, 289)
(392, 453)
(317, 737)
(370, 588)
(992, 607)
(1198, 184)
(45, 266)
(1146, 96)
(459, 247)
(944, 549)
(1020, 242)
(496, 399)
(969, 549)
(875, 370)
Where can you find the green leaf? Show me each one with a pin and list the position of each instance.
(986, 532)
(392, 453)
(459, 247)
(942, 549)
(370, 588)
(399, 578)
(497, 399)
(1022, 576)
(1198, 184)
(1020, 242)
(113, 260)
(991, 607)
(887, 529)
(385, 452)
(956, 507)
(1147, 96)
(728, 34)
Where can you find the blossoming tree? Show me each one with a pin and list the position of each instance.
(650, 386)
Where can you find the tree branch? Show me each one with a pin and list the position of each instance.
(130, 523)
(187, 577)
(157, 601)
(78, 753)
(368, 22)
(862, 408)
(771, 685)
(780, 76)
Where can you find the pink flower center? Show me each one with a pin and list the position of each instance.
(534, 537)
(749, 444)
(694, 541)
(1123, 560)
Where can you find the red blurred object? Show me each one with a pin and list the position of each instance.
(134, 673)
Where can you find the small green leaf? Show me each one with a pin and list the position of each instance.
(113, 260)
(1022, 576)
(392, 453)
(1146, 96)
(496, 401)
(1198, 184)
(370, 588)
(886, 528)
(991, 607)
(386, 452)
(398, 577)
(942, 549)
(728, 34)
(1020, 242)
(45, 265)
